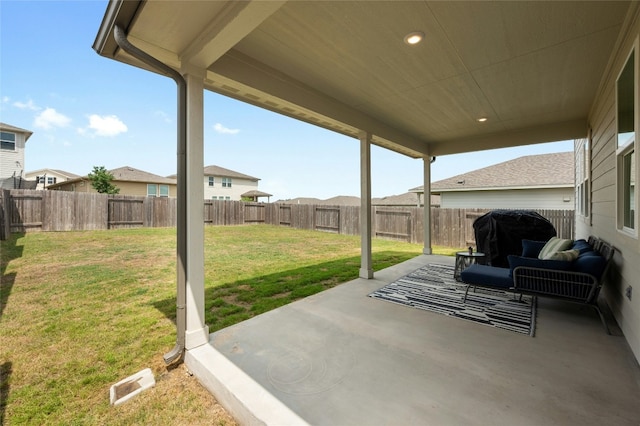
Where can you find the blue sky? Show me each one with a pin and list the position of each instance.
(85, 110)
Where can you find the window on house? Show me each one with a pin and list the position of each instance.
(211, 180)
(40, 179)
(155, 190)
(583, 194)
(51, 180)
(627, 126)
(8, 141)
(226, 182)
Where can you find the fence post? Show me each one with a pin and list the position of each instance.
(5, 215)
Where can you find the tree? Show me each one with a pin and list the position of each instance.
(101, 181)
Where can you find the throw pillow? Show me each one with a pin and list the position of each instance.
(553, 246)
(532, 248)
(567, 255)
(590, 263)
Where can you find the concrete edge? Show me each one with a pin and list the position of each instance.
(246, 400)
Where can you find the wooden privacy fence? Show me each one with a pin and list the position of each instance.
(27, 210)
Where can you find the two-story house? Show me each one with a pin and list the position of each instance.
(225, 184)
(12, 143)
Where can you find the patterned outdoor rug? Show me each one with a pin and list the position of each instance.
(433, 288)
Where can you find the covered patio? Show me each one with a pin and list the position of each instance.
(486, 75)
(342, 358)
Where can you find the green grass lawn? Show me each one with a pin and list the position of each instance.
(80, 311)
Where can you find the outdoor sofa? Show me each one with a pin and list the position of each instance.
(564, 269)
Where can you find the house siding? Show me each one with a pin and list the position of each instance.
(602, 222)
(238, 187)
(545, 199)
(8, 166)
(126, 188)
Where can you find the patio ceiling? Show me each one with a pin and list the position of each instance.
(531, 68)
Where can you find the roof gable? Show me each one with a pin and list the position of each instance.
(58, 172)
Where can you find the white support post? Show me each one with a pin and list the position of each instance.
(366, 268)
(427, 205)
(197, 332)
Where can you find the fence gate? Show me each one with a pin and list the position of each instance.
(393, 224)
(25, 210)
(327, 219)
(254, 213)
(125, 213)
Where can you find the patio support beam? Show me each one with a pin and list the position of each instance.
(366, 268)
(427, 204)
(197, 332)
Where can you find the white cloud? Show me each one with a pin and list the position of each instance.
(50, 118)
(5, 99)
(164, 116)
(225, 130)
(106, 125)
(28, 105)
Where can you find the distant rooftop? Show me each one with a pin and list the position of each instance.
(550, 170)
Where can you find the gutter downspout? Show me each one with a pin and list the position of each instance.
(181, 315)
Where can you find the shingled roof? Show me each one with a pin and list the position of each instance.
(544, 170)
(130, 174)
(221, 171)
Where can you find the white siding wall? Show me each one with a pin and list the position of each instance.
(553, 198)
(602, 121)
(238, 187)
(8, 159)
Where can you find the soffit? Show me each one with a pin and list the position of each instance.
(532, 68)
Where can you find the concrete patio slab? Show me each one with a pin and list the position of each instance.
(342, 358)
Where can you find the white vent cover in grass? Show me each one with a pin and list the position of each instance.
(127, 388)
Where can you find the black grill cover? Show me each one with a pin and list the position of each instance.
(499, 233)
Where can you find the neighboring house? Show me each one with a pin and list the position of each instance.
(12, 143)
(130, 181)
(225, 184)
(531, 182)
(46, 177)
(407, 199)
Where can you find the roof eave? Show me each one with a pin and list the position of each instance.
(119, 12)
(501, 188)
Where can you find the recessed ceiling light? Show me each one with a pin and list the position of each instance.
(482, 119)
(414, 37)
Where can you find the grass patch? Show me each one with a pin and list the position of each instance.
(81, 310)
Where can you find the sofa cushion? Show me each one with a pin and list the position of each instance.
(590, 263)
(487, 276)
(553, 246)
(515, 261)
(581, 245)
(568, 255)
(532, 248)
